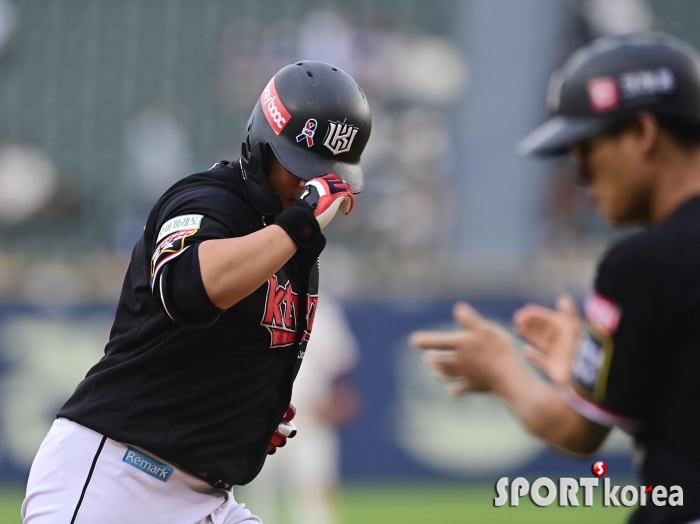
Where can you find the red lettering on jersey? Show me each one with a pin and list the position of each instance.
(290, 311)
(311, 307)
(280, 316)
(274, 315)
(280, 313)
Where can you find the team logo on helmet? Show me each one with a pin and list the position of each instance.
(339, 137)
(275, 112)
(308, 132)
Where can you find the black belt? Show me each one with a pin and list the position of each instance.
(206, 477)
(221, 484)
(214, 483)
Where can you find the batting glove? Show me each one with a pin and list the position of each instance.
(285, 430)
(326, 194)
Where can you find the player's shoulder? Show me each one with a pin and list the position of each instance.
(661, 248)
(217, 190)
(641, 249)
(207, 188)
(216, 194)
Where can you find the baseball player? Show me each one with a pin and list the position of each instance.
(212, 324)
(627, 108)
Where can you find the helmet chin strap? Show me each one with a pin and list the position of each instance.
(254, 165)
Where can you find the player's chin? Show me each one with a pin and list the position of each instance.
(622, 215)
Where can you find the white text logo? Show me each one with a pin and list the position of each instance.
(275, 112)
(649, 82)
(566, 493)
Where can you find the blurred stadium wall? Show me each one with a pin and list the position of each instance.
(104, 104)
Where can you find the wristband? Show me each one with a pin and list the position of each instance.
(300, 224)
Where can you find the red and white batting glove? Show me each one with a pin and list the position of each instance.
(326, 194)
(285, 430)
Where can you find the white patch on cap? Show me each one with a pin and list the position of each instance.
(648, 82)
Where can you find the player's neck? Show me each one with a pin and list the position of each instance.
(678, 181)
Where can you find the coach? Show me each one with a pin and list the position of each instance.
(627, 109)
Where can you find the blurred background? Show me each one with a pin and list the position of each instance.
(103, 105)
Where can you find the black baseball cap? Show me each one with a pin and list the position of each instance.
(611, 80)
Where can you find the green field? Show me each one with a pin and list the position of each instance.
(458, 505)
(418, 504)
(10, 501)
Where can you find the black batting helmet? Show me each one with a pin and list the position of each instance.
(315, 119)
(611, 80)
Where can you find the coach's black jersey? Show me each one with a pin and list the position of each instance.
(208, 396)
(639, 362)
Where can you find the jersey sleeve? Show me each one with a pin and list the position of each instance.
(184, 222)
(614, 368)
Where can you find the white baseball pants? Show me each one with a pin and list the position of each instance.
(82, 477)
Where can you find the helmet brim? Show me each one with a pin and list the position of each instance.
(555, 136)
(310, 166)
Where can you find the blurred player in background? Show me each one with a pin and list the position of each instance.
(627, 109)
(212, 323)
(304, 478)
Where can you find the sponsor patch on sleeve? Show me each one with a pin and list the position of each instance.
(180, 224)
(171, 247)
(591, 364)
(602, 313)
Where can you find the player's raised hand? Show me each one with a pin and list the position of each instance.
(477, 355)
(326, 194)
(284, 431)
(551, 335)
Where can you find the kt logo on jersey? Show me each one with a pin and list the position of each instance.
(280, 317)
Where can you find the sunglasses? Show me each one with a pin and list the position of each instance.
(586, 145)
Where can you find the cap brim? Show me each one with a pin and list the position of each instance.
(556, 135)
(308, 166)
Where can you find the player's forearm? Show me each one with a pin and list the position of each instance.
(232, 268)
(541, 409)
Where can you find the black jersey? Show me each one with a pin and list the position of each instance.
(206, 396)
(639, 362)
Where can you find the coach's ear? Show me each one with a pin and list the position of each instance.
(647, 131)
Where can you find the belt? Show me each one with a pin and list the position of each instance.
(221, 484)
(206, 477)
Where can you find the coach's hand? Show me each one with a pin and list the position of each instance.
(285, 430)
(477, 354)
(552, 335)
(326, 194)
